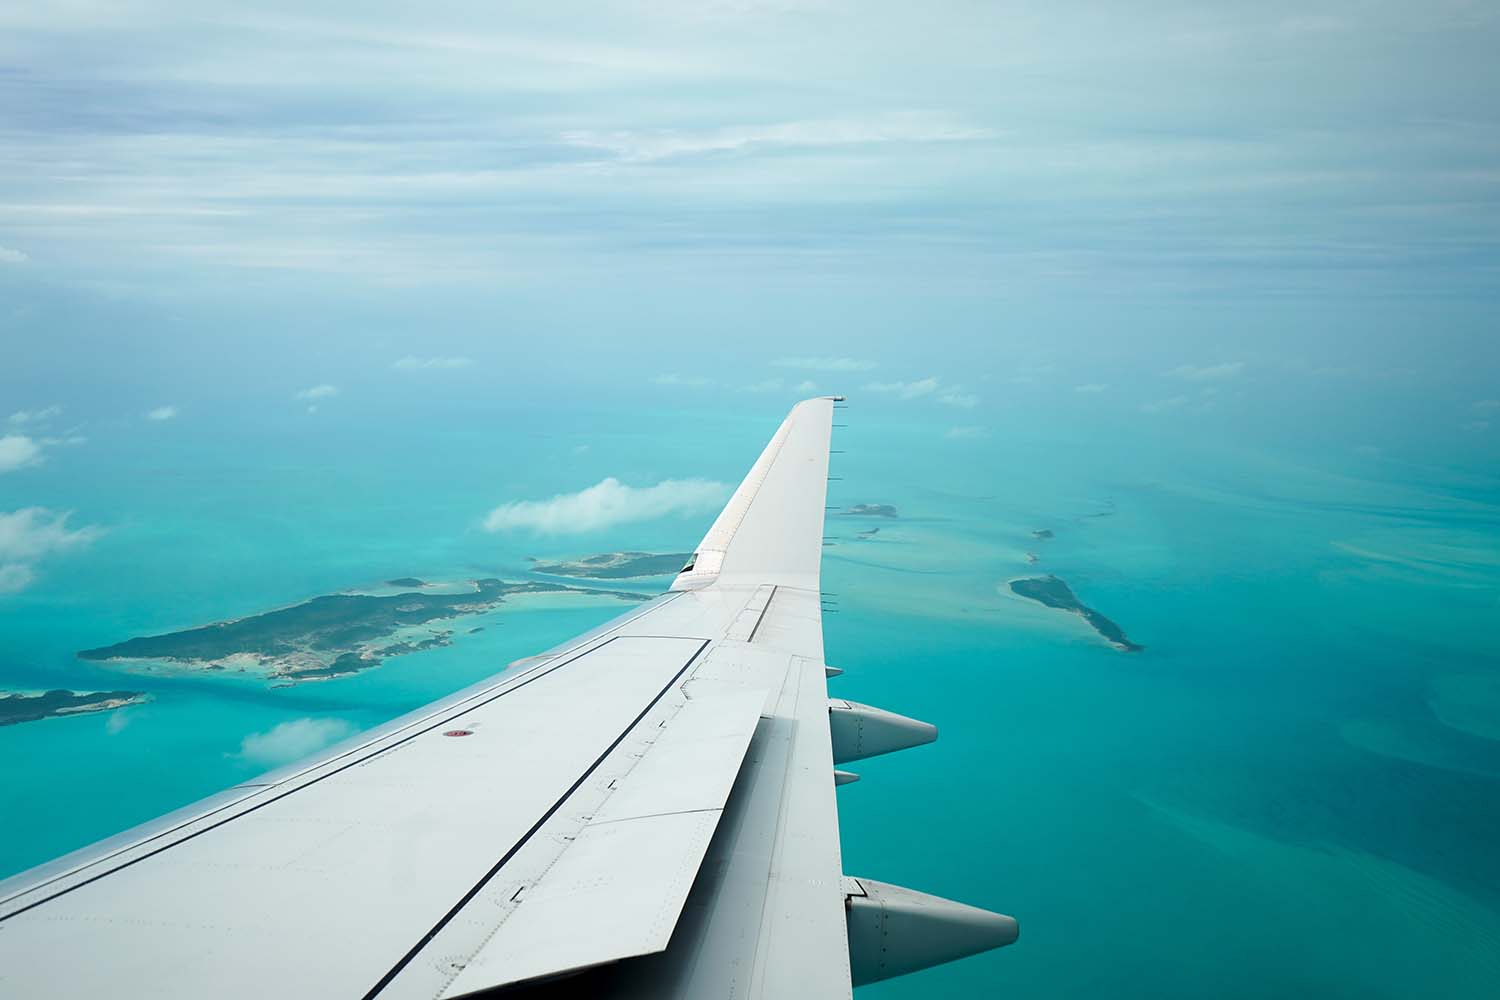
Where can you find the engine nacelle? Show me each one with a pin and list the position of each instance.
(893, 931)
(861, 731)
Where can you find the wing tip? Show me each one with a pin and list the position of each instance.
(800, 511)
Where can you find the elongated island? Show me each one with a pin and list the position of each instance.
(33, 706)
(332, 635)
(1054, 593)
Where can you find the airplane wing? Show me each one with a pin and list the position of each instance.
(646, 811)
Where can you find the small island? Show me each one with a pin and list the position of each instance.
(617, 565)
(870, 510)
(333, 635)
(1054, 593)
(1108, 509)
(22, 706)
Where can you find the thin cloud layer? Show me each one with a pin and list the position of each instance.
(1163, 405)
(932, 386)
(1228, 369)
(289, 741)
(162, 413)
(39, 433)
(906, 390)
(31, 534)
(956, 396)
(606, 504)
(577, 135)
(323, 391)
(645, 146)
(691, 381)
(22, 418)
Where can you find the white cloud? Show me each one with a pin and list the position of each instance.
(1163, 405)
(948, 395)
(1476, 425)
(964, 433)
(293, 740)
(22, 417)
(672, 378)
(907, 390)
(825, 364)
(9, 256)
(1032, 373)
(322, 391)
(31, 534)
(807, 385)
(955, 396)
(765, 385)
(607, 503)
(426, 364)
(15, 577)
(1228, 369)
(162, 413)
(1092, 387)
(1487, 405)
(18, 451)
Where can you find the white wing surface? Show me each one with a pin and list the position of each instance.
(645, 811)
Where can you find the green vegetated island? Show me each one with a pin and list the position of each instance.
(617, 565)
(22, 706)
(1054, 593)
(333, 635)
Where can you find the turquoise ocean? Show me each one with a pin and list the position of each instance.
(1294, 790)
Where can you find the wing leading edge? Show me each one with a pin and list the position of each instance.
(648, 809)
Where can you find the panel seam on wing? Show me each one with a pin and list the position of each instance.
(612, 788)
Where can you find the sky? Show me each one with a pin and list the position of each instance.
(1276, 220)
(1180, 148)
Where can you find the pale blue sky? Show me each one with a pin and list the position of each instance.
(1049, 196)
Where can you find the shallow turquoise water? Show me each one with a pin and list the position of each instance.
(1295, 789)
